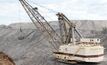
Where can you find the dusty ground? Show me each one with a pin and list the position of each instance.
(33, 50)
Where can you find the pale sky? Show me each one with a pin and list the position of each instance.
(11, 11)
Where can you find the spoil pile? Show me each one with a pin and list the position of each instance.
(34, 49)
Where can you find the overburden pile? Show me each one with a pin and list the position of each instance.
(32, 49)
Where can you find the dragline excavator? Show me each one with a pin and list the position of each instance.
(67, 47)
(77, 50)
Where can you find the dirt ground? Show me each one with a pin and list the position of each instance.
(33, 50)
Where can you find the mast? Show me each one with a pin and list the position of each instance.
(67, 27)
(73, 36)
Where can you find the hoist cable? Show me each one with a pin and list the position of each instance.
(44, 7)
